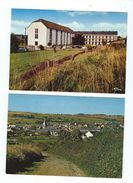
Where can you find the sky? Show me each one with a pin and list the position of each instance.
(52, 104)
(76, 20)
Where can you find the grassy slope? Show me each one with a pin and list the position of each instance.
(99, 71)
(20, 63)
(100, 156)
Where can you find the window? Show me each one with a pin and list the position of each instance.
(36, 43)
(50, 36)
(36, 36)
(36, 33)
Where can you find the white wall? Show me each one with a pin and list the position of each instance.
(42, 34)
(48, 35)
(63, 38)
(53, 36)
(59, 38)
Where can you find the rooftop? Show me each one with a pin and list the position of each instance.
(52, 25)
(98, 32)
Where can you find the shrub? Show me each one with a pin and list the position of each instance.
(15, 42)
(21, 156)
(41, 47)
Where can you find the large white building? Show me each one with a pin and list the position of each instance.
(46, 33)
(98, 37)
(43, 32)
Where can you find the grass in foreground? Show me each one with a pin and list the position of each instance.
(20, 63)
(101, 71)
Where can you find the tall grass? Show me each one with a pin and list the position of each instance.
(99, 71)
(20, 63)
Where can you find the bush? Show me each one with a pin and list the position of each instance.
(15, 42)
(21, 156)
(41, 47)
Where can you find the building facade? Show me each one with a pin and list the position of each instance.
(45, 33)
(98, 37)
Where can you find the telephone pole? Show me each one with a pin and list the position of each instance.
(25, 39)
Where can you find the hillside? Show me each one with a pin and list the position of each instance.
(24, 117)
(100, 70)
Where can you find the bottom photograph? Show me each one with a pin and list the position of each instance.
(65, 135)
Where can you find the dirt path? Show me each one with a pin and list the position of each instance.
(54, 165)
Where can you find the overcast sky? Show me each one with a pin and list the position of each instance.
(66, 104)
(76, 20)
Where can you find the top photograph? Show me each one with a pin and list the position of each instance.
(68, 51)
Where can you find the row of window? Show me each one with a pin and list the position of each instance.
(93, 43)
(98, 37)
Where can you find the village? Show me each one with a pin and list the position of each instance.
(53, 129)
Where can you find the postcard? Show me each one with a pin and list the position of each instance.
(66, 91)
(68, 51)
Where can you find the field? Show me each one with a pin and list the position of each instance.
(100, 70)
(41, 151)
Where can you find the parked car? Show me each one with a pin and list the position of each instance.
(21, 50)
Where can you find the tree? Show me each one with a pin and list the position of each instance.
(14, 43)
(78, 40)
(41, 47)
(65, 135)
(76, 135)
(54, 48)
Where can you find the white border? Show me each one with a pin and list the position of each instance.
(89, 5)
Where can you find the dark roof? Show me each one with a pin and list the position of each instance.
(97, 32)
(49, 129)
(52, 25)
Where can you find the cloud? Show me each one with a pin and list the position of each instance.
(18, 26)
(105, 26)
(75, 13)
(74, 25)
(102, 26)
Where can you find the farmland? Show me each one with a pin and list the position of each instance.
(49, 139)
(100, 70)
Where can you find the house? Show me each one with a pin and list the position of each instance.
(86, 133)
(49, 131)
(46, 33)
(98, 37)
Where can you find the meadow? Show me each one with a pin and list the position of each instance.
(100, 70)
